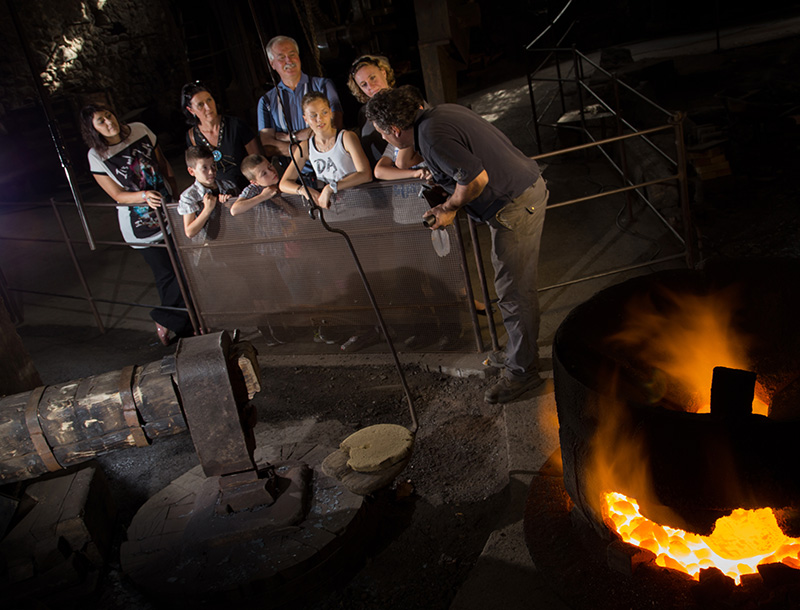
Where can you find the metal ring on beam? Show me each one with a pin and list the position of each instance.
(36, 433)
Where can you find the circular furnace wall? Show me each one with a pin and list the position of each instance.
(692, 458)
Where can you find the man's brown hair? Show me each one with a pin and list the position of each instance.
(394, 108)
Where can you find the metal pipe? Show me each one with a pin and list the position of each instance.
(78, 270)
(628, 125)
(476, 249)
(462, 257)
(560, 79)
(625, 85)
(188, 297)
(578, 88)
(623, 155)
(655, 261)
(551, 24)
(55, 132)
(533, 110)
(95, 299)
(411, 410)
(683, 181)
(592, 144)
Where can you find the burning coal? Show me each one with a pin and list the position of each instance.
(739, 542)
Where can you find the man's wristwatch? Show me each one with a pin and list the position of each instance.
(334, 187)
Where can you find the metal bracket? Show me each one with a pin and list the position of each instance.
(36, 433)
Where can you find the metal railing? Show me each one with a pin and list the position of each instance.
(227, 283)
(670, 164)
(91, 243)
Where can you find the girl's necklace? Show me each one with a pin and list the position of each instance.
(325, 146)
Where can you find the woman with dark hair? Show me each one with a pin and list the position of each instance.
(368, 75)
(127, 163)
(229, 138)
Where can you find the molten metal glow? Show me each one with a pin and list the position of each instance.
(739, 542)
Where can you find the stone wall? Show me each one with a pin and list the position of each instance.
(129, 50)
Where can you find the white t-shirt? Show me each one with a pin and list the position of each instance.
(132, 164)
(333, 165)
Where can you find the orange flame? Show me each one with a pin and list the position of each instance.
(739, 542)
(686, 336)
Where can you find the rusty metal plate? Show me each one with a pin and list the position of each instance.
(209, 405)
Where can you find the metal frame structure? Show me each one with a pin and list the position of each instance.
(625, 131)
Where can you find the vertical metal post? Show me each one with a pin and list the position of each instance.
(14, 311)
(188, 297)
(533, 103)
(560, 83)
(476, 248)
(623, 155)
(577, 65)
(683, 187)
(78, 269)
(476, 329)
(55, 132)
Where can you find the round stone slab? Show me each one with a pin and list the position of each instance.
(178, 547)
(377, 447)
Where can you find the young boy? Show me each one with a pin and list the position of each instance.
(198, 202)
(263, 184)
(274, 220)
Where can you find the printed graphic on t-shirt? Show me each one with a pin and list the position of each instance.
(144, 221)
(326, 166)
(135, 168)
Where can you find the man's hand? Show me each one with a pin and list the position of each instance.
(209, 201)
(223, 197)
(462, 195)
(423, 174)
(444, 217)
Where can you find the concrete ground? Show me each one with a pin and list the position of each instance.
(576, 243)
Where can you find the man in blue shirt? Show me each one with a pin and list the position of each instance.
(484, 173)
(284, 57)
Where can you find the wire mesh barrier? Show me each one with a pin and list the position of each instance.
(276, 268)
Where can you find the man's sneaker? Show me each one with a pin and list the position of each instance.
(496, 359)
(506, 389)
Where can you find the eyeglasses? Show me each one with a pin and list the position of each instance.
(362, 61)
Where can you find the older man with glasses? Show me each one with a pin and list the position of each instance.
(279, 109)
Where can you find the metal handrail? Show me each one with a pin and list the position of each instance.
(673, 122)
(92, 244)
(194, 313)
